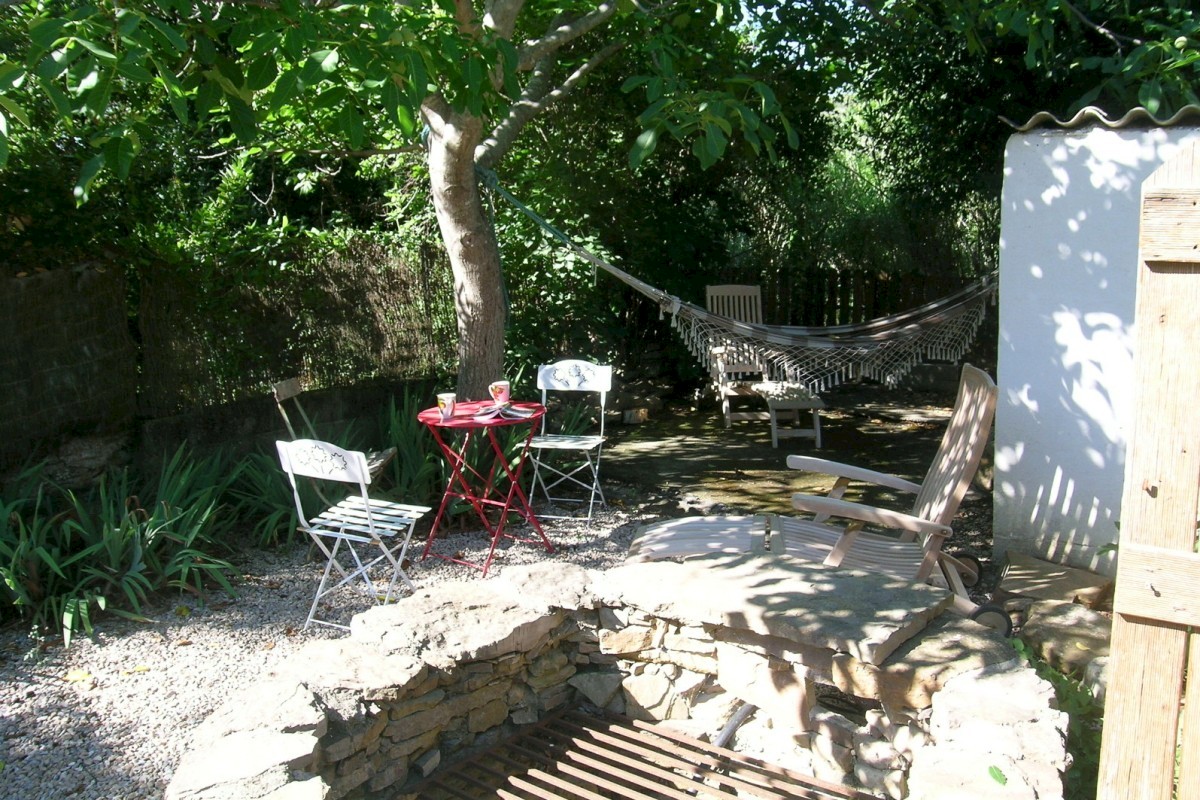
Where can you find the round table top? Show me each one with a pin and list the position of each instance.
(466, 415)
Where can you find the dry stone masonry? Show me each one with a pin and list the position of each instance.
(458, 667)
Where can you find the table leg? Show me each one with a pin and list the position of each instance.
(524, 510)
(514, 490)
(458, 462)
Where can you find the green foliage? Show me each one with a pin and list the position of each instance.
(262, 499)
(66, 555)
(416, 474)
(1085, 721)
(355, 78)
(1065, 55)
(1145, 53)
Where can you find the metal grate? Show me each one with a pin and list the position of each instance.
(592, 757)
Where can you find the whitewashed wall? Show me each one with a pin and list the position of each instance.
(1068, 266)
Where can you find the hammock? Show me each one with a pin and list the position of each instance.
(884, 349)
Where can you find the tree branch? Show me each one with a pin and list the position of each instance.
(436, 112)
(501, 16)
(1112, 36)
(560, 34)
(319, 151)
(537, 97)
(464, 15)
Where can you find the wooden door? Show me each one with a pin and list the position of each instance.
(1148, 719)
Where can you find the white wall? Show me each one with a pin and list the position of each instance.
(1068, 266)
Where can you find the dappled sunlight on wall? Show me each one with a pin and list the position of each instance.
(1095, 346)
(1069, 232)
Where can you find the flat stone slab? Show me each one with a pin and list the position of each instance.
(918, 670)
(1067, 635)
(1027, 576)
(469, 620)
(864, 614)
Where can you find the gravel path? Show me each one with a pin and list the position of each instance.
(109, 717)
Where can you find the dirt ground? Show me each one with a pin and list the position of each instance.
(684, 461)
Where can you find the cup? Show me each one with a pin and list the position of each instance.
(500, 392)
(446, 403)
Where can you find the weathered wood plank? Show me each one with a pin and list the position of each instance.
(1159, 507)
(1171, 225)
(1158, 584)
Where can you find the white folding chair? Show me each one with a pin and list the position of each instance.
(578, 455)
(350, 532)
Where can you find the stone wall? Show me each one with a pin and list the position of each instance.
(461, 666)
(68, 361)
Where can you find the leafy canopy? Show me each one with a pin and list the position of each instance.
(348, 78)
(1136, 53)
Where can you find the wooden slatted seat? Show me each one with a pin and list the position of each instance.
(736, 368)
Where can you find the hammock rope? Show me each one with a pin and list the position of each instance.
(884, 349)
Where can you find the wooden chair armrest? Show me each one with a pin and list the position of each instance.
(843, 509)
(840, 470)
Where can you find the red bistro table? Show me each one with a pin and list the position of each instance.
(480, 490)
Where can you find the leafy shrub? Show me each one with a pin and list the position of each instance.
(262, 499)
(65, 555)
(416, 474)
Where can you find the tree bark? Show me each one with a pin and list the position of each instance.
(471, 245)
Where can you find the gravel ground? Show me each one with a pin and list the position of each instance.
(109, 716)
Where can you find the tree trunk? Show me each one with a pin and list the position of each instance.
(470, 242)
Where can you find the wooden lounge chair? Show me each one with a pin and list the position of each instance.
(734, 367)
(737, 371)
(851, 535)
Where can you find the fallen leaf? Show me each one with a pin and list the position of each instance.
(78, 676)
(182, 642)
(272, 584)
(269, 646)
(1082, 646)
(182, 611)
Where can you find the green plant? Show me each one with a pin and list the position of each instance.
(65, 555)
(1086, 716)
(34, 564)
(416, 473)
(262, 498)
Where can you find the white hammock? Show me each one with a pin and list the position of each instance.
(885, 349)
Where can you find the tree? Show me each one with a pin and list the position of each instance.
(456, 79)
(1144, 53)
